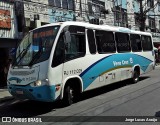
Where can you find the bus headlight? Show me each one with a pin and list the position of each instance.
(39, 83)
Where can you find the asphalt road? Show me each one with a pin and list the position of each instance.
(114, 103)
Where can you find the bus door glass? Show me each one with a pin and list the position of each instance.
(75, 49)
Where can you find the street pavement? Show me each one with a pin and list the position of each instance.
(6, 96)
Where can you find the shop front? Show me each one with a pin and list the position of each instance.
(8, 37)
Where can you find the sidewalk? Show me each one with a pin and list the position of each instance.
(5, 95)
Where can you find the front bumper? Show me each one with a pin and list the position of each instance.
(41, 93)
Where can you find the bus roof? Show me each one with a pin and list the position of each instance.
(100, 27)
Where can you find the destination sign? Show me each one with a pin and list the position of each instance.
(43, 34)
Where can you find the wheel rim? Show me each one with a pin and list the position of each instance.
(136, 77)
(71, 93)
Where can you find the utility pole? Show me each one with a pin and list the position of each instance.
(142, 17)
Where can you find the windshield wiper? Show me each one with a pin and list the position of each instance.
(21, 55)
(36, 56)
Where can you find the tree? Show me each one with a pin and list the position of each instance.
(143, 12)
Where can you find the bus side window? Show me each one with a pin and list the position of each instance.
(76, 48)
(135, 42)
(146, 43)
(123, 43)
(91, 41)
(105, 41)
(58, 57)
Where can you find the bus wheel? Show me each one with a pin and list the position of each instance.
(68, 96)
(135, 78)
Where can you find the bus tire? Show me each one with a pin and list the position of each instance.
(135, 78)
(68, 96)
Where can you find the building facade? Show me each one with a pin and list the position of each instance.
(40, 12)
(8, 35)
(8, 24)
(124, 13)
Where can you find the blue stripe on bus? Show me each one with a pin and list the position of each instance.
(93, 65)
(106, 63)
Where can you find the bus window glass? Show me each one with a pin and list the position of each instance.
(36, 46)
(123, 43)
(91, 41)
(59, 52)
(24, 52)
(105, 41)
(77, 47)
(135, 42)
(146, 43)
(43, 40)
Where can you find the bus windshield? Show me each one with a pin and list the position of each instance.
(36, 46)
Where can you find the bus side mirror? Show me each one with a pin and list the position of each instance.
(67, 37)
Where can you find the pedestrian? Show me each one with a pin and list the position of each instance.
(6, 69)
(2, 76)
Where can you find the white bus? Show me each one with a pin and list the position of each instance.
(61, 60)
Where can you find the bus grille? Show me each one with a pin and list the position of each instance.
(22, 72)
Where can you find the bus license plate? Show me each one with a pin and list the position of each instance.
(19, 92)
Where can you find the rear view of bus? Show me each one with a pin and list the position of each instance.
(27, 77)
